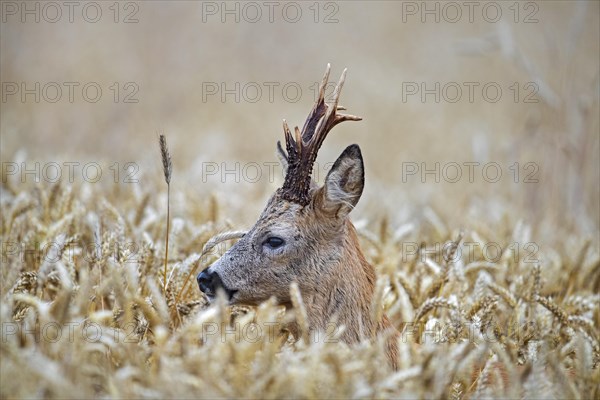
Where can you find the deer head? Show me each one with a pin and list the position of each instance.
(304, 234)
(300, 231)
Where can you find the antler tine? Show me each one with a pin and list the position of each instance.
(327, 123)
(318, 110)
(338, 89)
(332, 118)
(324, 84)
(286, 129)
(336, 96)
(335, 107)
(290, 144)
(302, 152)
(298, 139)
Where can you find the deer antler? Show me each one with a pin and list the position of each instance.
(302, 148)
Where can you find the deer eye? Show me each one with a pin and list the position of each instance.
(274, 242)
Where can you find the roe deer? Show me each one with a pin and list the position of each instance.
(304, 235)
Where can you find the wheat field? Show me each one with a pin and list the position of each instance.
(491, 280)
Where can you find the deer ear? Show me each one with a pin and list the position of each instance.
(344, 183)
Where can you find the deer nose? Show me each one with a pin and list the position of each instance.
(206, 282)
(209, 282)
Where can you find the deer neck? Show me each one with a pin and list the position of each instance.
(345, 292)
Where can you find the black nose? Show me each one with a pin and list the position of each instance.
(209, 282)
(206, 282)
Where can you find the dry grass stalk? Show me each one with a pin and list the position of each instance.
(167, 170)
(504, 293)
(482, 303)
(431, 304)
(410, 291)
(560, 314)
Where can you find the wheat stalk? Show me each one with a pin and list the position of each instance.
(430, 304)
(551, 306)
(506, 295)
(167, 170)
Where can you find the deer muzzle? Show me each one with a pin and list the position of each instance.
(210, 282)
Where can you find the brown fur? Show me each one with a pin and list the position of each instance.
(321, 253)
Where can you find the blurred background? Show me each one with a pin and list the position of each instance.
(476, 112)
